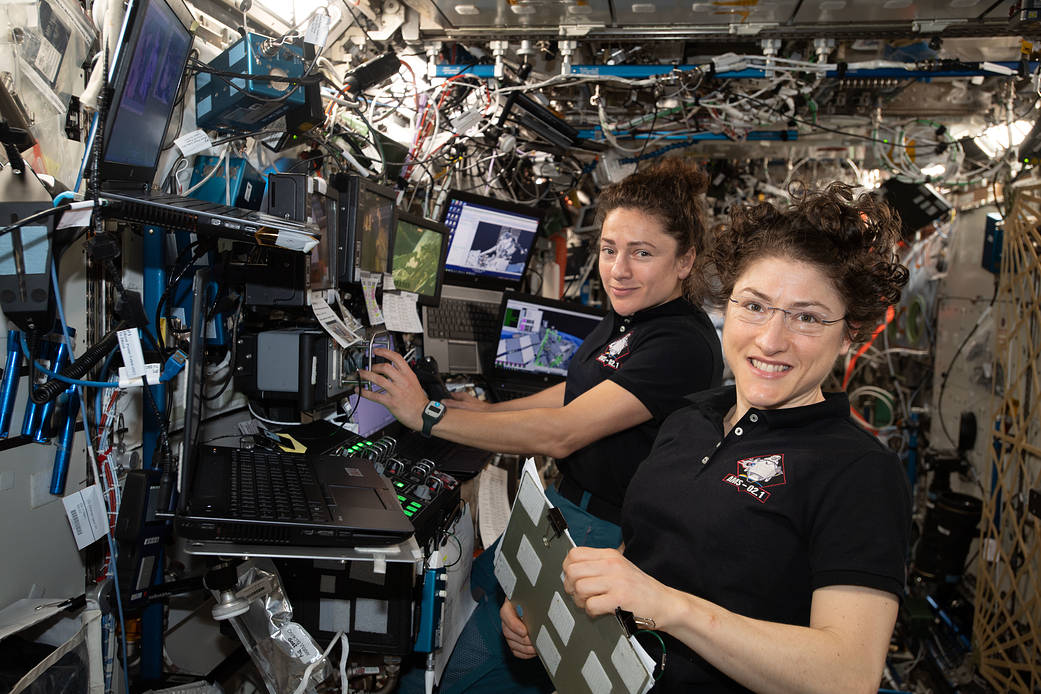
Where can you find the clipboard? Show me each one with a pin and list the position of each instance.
(580, 653)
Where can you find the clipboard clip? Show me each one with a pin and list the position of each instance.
(631, 623)
(556, 526)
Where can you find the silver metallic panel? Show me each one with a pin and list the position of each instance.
(510, 14)
(703, 12)
(873, 11)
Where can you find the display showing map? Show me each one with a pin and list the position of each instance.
(529, 342)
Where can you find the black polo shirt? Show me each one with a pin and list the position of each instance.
(789, 501)
(660, 355)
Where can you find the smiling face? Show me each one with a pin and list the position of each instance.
(773, 366)
(638, 262)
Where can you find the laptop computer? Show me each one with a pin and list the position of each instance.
(537, 339)
(489, 248)
(146, 72)
(251, 496)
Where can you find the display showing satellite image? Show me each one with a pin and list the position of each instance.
(417, 252)
(528, 343)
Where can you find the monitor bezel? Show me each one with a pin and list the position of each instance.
(350, 245)
(433, 300)
(491, 367)
(119, 70)
(482, 281)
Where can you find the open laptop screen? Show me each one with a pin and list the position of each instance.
(370, 417)
(489, 239)
(194, 384)
(540, 336)
(146, 74)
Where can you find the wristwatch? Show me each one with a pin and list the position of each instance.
(432, 414)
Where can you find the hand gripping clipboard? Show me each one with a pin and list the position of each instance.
(581, 653)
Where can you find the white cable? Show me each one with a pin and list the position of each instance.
(606, 129)
(269, 421)
(345, 648)
(306, 678)
(216, 167)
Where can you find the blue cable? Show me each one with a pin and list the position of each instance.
(119, 606)
(111, 544)
(86, 153)
(62, 196)
(66, 379)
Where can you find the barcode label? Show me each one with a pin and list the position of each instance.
(74, 518)
(87, 515)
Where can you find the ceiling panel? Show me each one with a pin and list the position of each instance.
(874, 11)
(703, 12)
(511, 14)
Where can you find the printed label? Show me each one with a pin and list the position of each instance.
(300, 645)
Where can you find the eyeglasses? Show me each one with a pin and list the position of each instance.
(799, 321)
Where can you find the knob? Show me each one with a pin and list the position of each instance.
(429, 489)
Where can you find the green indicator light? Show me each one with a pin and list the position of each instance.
(399, 485)
(368, 443)
(401, 498)
(409, 513)
(414, 506)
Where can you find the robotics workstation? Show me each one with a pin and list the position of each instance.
(217, 215)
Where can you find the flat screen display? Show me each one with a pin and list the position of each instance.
(489, 240)
(374, 226)
(148, 72)
(417, 260)
(541, 338)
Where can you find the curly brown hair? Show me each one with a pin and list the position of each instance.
(673, 191)
(851, 239)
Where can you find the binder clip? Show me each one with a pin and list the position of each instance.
(557, 526)
(631, 623)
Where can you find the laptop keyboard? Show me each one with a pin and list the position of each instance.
(503, 394)
(455, 319)
(274, 486)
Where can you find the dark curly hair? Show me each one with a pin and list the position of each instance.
(852, 240)
(673, 190)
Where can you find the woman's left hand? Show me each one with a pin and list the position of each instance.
(402, 394)
(601, 580)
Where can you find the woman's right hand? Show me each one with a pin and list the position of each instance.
(515, 632)
(464, 401)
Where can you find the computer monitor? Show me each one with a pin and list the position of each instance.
(490, 240)
(367, 214)
(418, 257)
(540, 336)
(145, 74)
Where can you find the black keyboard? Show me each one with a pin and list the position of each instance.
(464, 320)
(274, 486)
(503, 394)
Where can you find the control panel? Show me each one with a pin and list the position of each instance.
(427, 496)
